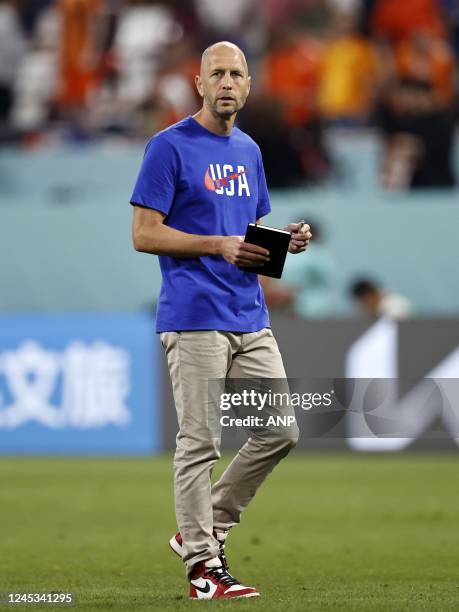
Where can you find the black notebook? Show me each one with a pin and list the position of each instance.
(273, 239)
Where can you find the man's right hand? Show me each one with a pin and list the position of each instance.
(240, 253)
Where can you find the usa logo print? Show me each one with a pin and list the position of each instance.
(224, 179)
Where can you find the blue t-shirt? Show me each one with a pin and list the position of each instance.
(205, 184)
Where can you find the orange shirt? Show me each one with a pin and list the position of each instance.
(292, 77)
(399, 19)
(348, 75)
(78, 52)
(77, 19)
(432, 61)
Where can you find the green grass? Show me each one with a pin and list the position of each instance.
(342, 532)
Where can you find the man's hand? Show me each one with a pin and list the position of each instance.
(299, 241)
(240, 253)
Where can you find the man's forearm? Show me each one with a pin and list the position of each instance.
(163, 240)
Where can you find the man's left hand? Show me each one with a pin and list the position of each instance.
(299, 240)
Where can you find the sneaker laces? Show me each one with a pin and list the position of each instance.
(222, 575)
(222, 555)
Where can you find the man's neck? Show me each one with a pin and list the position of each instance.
(218, 125)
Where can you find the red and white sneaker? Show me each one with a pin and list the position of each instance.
(176, 544)
(211, 581)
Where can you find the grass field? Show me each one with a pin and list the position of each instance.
(326, 532)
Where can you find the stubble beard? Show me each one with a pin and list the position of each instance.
(222, 114)
(225, 115)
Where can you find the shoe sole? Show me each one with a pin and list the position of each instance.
(232, 597)
(175, 546)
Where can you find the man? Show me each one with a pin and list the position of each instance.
(376, 302)
(201, 183)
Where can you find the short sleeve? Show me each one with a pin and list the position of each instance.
(157, 181)
(263, 205)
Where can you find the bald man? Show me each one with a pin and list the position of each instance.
(201, 183)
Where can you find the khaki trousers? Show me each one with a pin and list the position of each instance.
(195, 358)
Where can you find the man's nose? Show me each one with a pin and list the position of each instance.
(227, 84)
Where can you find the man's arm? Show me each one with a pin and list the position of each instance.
(150, 235)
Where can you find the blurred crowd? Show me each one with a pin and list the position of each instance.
(83, 69)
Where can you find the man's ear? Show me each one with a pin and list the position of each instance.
(198, 83)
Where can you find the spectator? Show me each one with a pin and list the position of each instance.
(174, 94)
(239, 21)
(314, 282)
(144, 31)
(398, 21)
(36, 77)
(307, 290)
(12, 48)
(80, 59)
(30, 11)
(376, 302)
(417, 138)
(227, 21)
(278, 13)
(263, 120)
(292, 73)
(313, 17)
(291, 80)
(451, 12)
(427, 58)
(349, 72)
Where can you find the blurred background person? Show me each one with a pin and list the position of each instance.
(398, 21)
(144, 30)
(451, 15)
(314, 283)
(308, 290)
(418, 133)
(173, 95)
(349, 72)
(375, 302)
(30, 11)
(80, 55)
(264, 119)
(428, 58)
(291, 76)
(12, 49)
